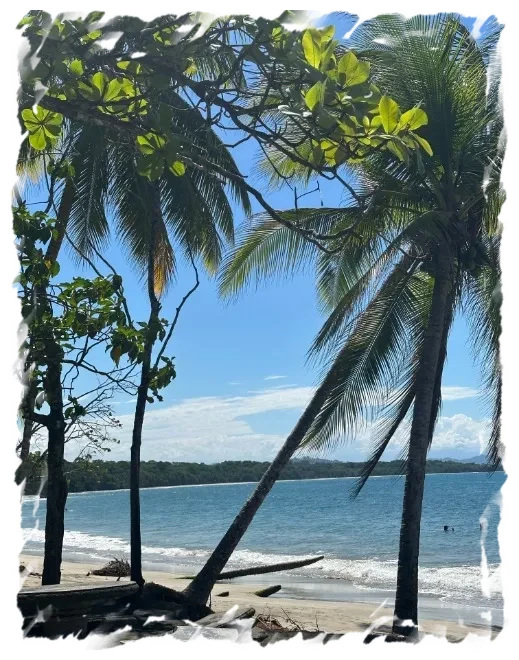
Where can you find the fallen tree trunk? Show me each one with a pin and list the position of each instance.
(265, 593)
(269, 568)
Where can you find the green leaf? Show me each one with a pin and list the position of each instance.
(413, 119)
(37, 140)
(399, 151)
(311, 43)
(178, 168)
(426, 146)
(314, 95)
(389, 112)
(130, 66)
(351, 71)
(91, 36)
(327, 33)
(76, 67)
(94, 17)
(99, 81)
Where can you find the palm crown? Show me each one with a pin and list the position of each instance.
(377, 288)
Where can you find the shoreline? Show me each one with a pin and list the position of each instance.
(311, 614)
(240, 483)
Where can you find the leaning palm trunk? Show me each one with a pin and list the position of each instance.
(142, 395)
(406, 601)
(200, 588)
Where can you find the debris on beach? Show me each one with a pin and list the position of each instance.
(117, 567)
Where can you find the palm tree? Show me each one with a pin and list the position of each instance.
(192, 212)
(426, 250)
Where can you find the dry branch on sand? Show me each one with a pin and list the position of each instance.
(118, 567)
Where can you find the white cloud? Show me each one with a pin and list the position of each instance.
(273, 377)
(212, 429)
(453, 393)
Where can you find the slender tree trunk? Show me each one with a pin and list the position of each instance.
(65, 208)
(56, 481)
(135, 467)
(140, 408)
(200, 588)
(406, 601)
(27, 409)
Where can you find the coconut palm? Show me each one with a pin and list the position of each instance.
(189, 215)
(426, 250)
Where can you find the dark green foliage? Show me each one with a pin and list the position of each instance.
(114, 475)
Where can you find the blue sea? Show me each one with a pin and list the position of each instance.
(359, 538)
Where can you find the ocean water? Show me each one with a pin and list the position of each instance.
(359, 538)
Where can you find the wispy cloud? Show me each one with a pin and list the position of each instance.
(234, 383)
(453, 393)
(219, 428)
(273, 377)
(122, 403)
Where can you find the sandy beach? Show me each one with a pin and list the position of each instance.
(311, 615)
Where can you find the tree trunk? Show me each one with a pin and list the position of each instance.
(406, 601)
(56, 481)
(65, 207)
(142, 394)
(27, 409)
(200, 588)
(135, 467)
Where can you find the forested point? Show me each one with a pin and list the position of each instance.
(114, 475)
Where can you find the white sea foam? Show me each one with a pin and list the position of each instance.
(459, 583)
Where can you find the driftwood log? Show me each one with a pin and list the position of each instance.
(265, 593)
(270, 568)
(259, 570)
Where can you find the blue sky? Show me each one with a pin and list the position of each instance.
(242, 380)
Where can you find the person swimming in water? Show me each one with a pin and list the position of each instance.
(446, 528)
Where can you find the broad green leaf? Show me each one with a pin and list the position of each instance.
(76, 67)
(91, 36)
(347, 129)
(399, 150)
(311, 42)
(376, 122)
(130, 66)
(413, 119)
(389, 113)
(426, 146)
(314, 95)
(37, 140)
(94, 17)
(113, 90)
(178, 168)
(351, 71)
(99, 81)
(150, 143)
(327, 33)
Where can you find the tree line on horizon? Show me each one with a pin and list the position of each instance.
(97, 475)
(137, 141)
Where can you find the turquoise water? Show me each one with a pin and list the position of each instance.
(359, 538)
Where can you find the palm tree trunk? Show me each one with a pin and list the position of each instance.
(56, 481)
(200, 588)
(135, 466)
(406, 600)
(142, 394)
